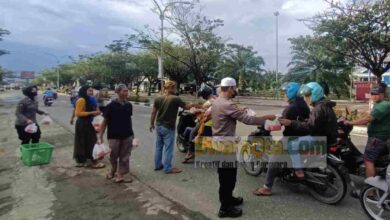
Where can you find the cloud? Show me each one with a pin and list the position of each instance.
(86, 26)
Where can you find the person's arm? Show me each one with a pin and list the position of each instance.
(41, 112)
(362, 121)
(153, 119)
(236, 113)
(20, 116)
(102, 130)
(314, 121)
(80, 109)
(72, 117)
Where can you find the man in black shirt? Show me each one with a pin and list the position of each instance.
(117, 119)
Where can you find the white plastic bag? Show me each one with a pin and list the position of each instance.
(97, 123)
(272, 125)
(46, 120)
(100, 150)
(135, 142)
(31, 128)
(250, 112)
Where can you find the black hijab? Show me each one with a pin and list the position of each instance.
(83, 94)
(28, 92)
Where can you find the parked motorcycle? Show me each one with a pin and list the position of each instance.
(375, 198)
(186, 119)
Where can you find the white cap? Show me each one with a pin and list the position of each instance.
(227, 82)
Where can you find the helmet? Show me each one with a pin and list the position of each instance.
(312, 89)
(205, 91)
(325, 87)
(290, 89)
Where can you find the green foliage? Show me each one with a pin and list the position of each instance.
(312, 62)
(241, 63)
(361, 29)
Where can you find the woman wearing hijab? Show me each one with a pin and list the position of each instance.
(85, 135)
(26, 112)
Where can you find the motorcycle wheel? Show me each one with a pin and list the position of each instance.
(180, 145)
(369, 203)
(334, 181)
(251, 164)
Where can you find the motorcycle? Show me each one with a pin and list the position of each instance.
(326, 184)
(353, 160)
(375, 198)
(186, 119)
(48, 101)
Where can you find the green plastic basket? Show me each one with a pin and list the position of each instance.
(36, 154)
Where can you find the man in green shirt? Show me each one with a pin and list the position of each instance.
(165, 108)
(378, 129)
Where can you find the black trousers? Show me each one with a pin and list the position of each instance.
(27, 137)
(227, 183)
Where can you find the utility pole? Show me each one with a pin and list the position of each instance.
(161, 12)
(277, 44)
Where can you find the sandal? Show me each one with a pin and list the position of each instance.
(80, 165)
(262, 192)
(110, 176)
(299, 174)
(98, 166)
(123, 180)
(174, 171)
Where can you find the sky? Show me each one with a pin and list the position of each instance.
(43, 28)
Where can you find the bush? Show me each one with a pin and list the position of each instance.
(138, 99)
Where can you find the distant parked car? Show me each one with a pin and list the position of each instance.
(2, 89)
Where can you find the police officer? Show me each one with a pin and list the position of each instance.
(224, 116)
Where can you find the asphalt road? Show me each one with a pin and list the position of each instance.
(197, 188)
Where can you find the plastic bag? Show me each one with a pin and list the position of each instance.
(272, 125)
(250, 112)
(46, 120)
(97, 123)
(31, 128)
(100, 150)
(135, 142)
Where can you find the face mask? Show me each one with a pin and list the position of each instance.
(234, 94)
(34, 94)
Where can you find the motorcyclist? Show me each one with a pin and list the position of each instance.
(378, 129)
(322, 122)
(207, 93)
(49, 93)
(296, 110)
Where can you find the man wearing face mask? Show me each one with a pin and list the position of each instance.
(26, 114)
(224, 116)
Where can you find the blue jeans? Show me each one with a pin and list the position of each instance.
(165, 142)
(294, 148)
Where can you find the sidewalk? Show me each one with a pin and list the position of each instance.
(61, 191)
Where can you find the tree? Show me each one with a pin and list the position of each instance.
(198, 49)
(241, 63)
(311, 62)
(2, 33)
(197, 34)
(362, 28)
(146, 69)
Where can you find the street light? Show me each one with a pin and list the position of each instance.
(162, 16)
(276, 13)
